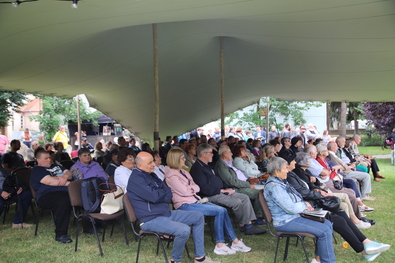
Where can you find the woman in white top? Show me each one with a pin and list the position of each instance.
(159, 169)
(122, 173)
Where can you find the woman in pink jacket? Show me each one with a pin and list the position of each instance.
(185, 197)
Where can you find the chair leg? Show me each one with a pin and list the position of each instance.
(334, 237)
(163, 249)
(304, 249)
(138, 249)
(187, 250)
(124, 231)
(5, 213)
(39, 214)
(76, 236)
(278, 243)
(104, 231)
(286, 249)
(97, 235)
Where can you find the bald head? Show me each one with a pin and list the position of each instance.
(145, 162)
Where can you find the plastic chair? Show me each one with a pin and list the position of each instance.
(131, 216)
(40, 210)
(280, 235)
(74, 189)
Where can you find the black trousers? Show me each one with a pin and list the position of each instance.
(59, 203)
(343, 225)
(375, 167)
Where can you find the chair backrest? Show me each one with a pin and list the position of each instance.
(127, 205)
(31, 163)
(266, 213)
(67, 164)
(22, 174)
(74, 189)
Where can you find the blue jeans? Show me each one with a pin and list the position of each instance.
(323, 231)
(26, 197)
(221, 221)
(178, 224)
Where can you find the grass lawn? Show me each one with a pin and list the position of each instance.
(20, 245)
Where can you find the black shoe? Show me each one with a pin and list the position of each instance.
(254, 231)
(370, 221)
(64, 239)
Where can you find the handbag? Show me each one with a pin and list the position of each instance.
(112, 199)
(320, 219)
(257, 180)
(338, 184)
(330, 203)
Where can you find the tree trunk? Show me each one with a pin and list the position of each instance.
(343, 119)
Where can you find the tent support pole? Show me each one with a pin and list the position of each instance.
(79, 121)
(221, 60)
(156, 87)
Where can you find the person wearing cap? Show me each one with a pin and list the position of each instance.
(113, 164)
(86, 144)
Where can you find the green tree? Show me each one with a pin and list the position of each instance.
(353, 112)
(57, 111)
(10, 101)
(290, 110)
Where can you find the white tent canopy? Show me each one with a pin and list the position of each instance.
(292, 50)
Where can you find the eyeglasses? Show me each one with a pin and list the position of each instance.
(130, 159)
(183, 158)
(209, 152)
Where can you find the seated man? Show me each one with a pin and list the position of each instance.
(363, 178)
(212, 187)
(50, 182)
(344, 155)
(12, 159)
(355, 141)
(230, 177)
(9, 192)
(150, 197)
(85, 168)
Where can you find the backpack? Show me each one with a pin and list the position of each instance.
(91, 194)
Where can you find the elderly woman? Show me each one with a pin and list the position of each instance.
(159, 169)
(243, 162)
(191, 155)
(185, 197)
(125, 158)
(266, 153)
(341, 222)
(98, 150)
(303, 163)
(286, 204)
(85, 167)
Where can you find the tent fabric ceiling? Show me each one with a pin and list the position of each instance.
(292, 50)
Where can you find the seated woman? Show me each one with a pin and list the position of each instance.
(242, 161)
(296, 144)
(85, 168)
(286, 204)
(341, 222)
(185, 197)
(125, 157)
(98, 150)
(303, 162)
(266, 153)
(277, 146)
(191, 155)
(159, 169)
(350, 188)
(256, 147)
(60, 155)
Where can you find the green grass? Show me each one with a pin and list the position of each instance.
(20, 245)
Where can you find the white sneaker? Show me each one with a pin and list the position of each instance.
(363, 225)
(224, 250)
(314, 261)
(240, 246)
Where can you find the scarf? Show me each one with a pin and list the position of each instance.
(325, 164)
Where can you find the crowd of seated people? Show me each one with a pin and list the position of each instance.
(207, 174)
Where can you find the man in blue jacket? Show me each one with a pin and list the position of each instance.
(150, 197)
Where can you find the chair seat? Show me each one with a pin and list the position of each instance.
(102, 216)
(295, 233)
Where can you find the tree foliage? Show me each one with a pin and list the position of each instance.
(10, 102)
(290, 110)
(57, 111)
(381, 115)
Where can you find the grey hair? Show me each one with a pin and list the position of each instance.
(321, 147)
(137, 160)
(302, 159)
(309, 149)
(222, 149)
(275, 164)
(204, 147)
